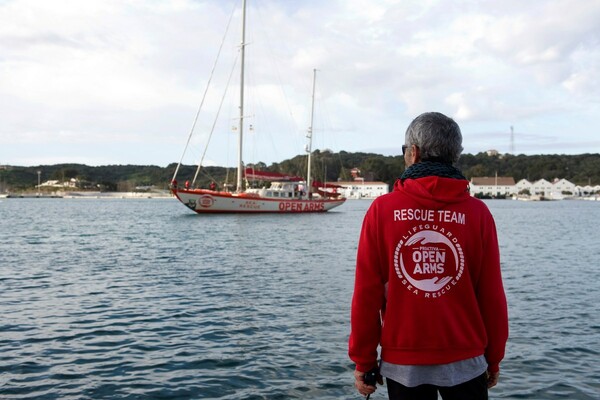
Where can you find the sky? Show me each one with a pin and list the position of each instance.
(103, 82)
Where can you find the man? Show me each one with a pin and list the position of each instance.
(428, 287)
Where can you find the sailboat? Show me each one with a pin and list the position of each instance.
(285, 193)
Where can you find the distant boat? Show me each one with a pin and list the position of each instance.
(285, 193)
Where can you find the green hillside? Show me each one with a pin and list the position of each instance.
(580, 169)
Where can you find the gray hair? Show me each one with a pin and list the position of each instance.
(437, 136)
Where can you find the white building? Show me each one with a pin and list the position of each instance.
(360, 189)
(562, 187)
(72, 183)
(523, 185)
(541, 188)
(494, 186)
(557, 189)
(587, 190)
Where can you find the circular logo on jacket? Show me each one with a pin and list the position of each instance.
(429, 263)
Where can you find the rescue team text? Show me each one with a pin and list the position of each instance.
(417, 214)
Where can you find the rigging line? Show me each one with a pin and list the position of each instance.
(209, 175)
(212, 130)
(204, 95)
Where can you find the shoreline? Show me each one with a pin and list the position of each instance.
(168, 195)
(90, 195)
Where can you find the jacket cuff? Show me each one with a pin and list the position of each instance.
(365, 367)
(493, 367)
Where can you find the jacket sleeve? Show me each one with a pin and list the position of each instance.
(491, 297)
(368, 298)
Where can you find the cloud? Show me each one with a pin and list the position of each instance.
(124, 73)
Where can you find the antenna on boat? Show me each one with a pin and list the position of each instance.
(309, 136)
(241, 123)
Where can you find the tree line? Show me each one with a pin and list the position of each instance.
(582, 169)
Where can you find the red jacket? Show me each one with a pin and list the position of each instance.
(428, 286)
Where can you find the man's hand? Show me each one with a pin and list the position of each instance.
(361, 386)
(492, 379)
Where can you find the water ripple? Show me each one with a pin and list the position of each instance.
(138, 299)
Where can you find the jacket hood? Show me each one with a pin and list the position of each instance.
(434, 191)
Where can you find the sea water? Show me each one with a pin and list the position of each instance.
(143, 299)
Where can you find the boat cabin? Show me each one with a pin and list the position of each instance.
(278, 190)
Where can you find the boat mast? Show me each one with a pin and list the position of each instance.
(309, 136)
(240, 171)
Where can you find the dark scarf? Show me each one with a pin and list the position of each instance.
(431, 168)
